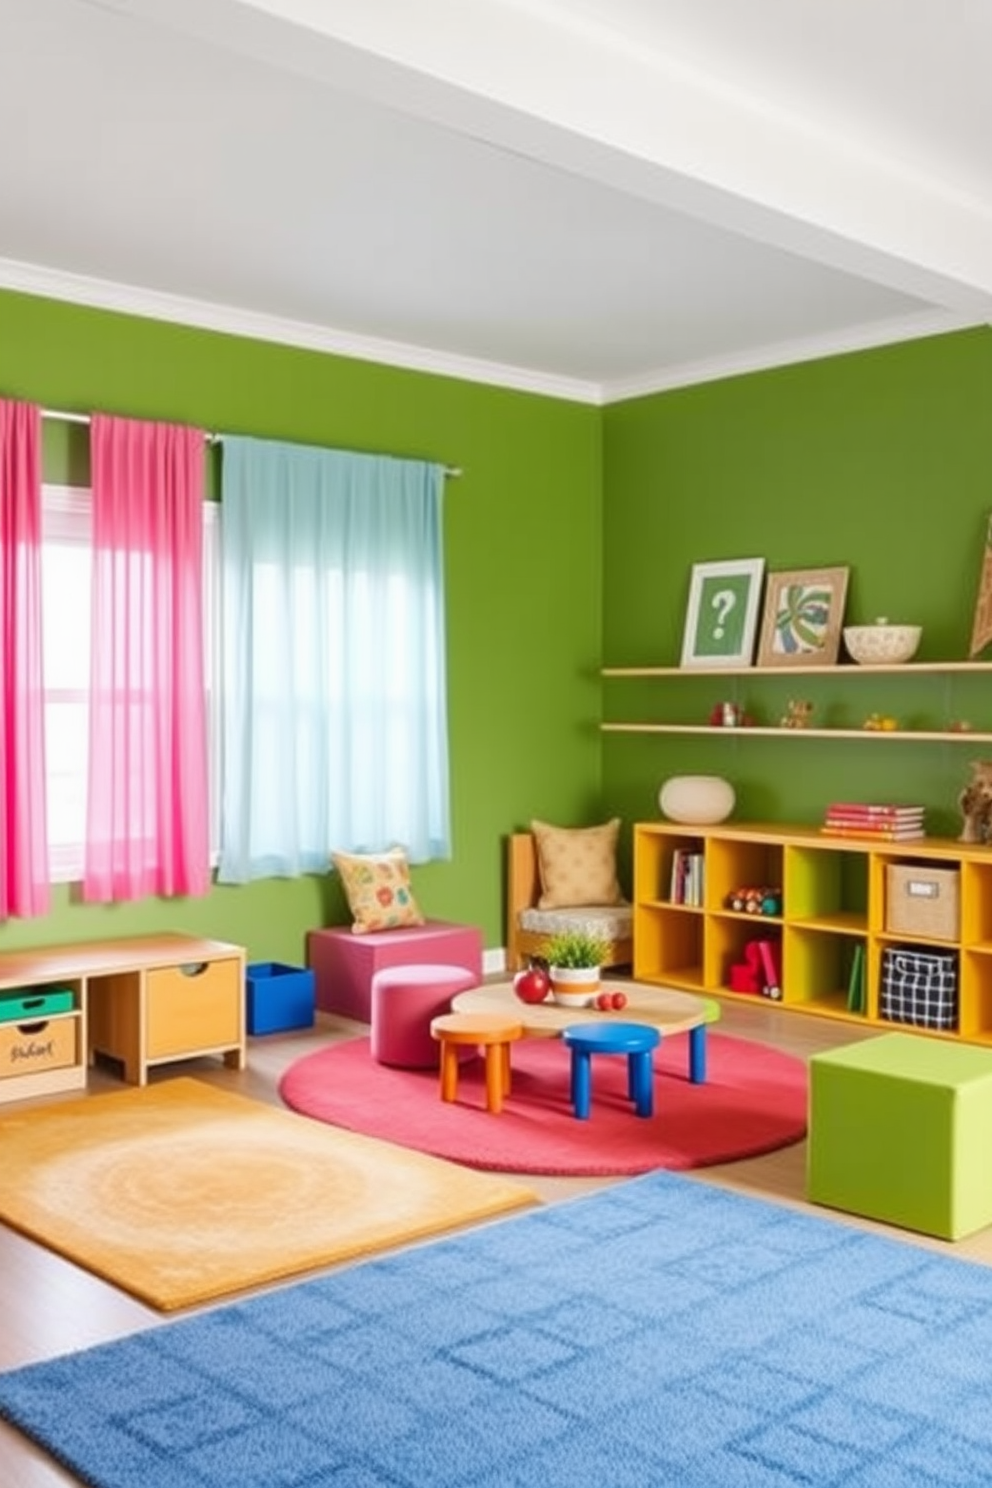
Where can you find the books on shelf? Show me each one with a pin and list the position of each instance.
(686, 885)
(888, 821)
(875, 810)
(856, 980)
(880, 834)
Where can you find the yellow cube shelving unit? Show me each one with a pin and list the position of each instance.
(837, 895)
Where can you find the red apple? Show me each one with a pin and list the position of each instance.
(604, 1002)
(532, 985)
(618, 1000)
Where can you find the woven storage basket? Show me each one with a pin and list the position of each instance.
(923, 901)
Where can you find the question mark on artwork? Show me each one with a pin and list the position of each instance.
(723, 602)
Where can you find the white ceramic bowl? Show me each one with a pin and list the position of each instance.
(698, 800)
(882, 644)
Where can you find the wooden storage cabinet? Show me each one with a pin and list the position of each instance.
(47, 1043)
(180, 998)
(43, 1053)
(41, 1057)
(835, 897)
(193, 1006)
(141, 1001)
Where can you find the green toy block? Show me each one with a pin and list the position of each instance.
(899, 1130)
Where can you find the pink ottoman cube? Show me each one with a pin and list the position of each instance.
(404, 1000)
(344, 964)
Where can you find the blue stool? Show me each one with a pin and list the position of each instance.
(635, 1040)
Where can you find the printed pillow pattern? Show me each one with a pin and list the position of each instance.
(577, 865)
(377, 887)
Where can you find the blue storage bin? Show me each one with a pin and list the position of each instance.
(278, 997)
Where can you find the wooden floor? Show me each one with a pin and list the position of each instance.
(49, 1306)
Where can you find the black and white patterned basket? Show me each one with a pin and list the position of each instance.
(920, 987)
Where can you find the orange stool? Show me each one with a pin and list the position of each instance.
(494, 1035)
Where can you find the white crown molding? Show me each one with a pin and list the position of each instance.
(101, 294)
(786, 353)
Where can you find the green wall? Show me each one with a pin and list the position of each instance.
(524, 576)
(880, 460)
(569, 540)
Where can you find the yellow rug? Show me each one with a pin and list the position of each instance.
(179, 1192)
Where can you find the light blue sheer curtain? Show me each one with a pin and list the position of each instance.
(335, 717)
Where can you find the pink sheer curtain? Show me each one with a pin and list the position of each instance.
(24, 887)
(147, 816)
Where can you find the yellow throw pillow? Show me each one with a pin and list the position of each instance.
(377, 887)
(578, 865)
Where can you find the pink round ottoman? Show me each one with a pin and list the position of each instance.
(404, 1000)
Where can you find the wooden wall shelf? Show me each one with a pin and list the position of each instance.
(840, 673)
(960, 736)
(845, 670)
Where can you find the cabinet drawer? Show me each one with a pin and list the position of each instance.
(41, 1045)
(192, 1008)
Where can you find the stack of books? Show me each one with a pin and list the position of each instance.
(891, 823)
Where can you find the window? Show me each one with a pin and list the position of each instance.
(67, 526)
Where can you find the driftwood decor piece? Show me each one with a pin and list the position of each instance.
(981, 631)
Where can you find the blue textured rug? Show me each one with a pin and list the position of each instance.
(661, 1332)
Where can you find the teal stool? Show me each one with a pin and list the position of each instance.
(635, 1040)
(900, 1129)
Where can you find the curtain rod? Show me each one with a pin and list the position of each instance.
(452, 471)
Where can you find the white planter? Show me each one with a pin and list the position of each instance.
(697, 800)
(574, 986)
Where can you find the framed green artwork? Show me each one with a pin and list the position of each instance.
(804, 612)
(722, 614)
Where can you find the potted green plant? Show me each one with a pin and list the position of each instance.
(574, 959)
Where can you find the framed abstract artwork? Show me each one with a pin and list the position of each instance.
(804, 613)
(722, 615)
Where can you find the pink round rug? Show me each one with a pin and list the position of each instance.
(754, 1100)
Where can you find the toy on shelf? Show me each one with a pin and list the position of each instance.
(729, 715)
(798, 714)
(760, 972)
(755, 901)
(975, 802)
(882, 723)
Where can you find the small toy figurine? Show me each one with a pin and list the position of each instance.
(757, 901)
(880, 723)
(798, 715)
(975, 802)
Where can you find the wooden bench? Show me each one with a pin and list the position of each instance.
(523, 889)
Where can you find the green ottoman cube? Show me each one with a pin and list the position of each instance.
(900, 1129)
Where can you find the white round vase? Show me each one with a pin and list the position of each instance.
(697, 800)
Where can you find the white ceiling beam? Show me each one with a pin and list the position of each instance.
(578, 96)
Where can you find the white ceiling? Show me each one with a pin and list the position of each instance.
(588, 197)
